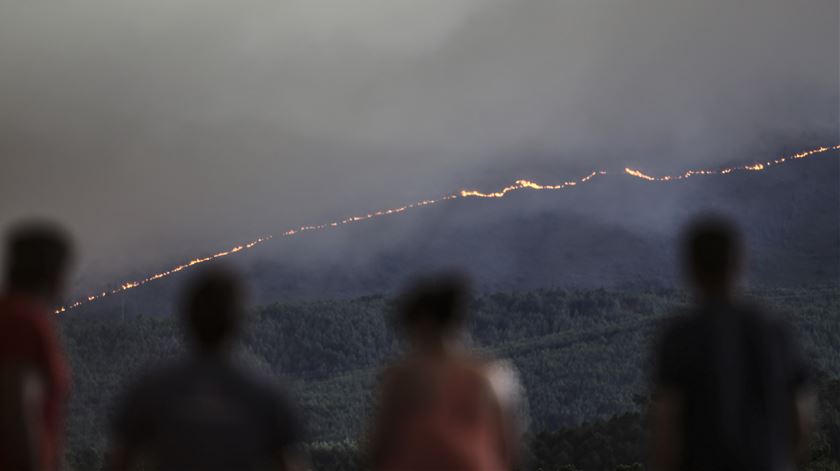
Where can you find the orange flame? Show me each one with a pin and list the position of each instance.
(754, 167)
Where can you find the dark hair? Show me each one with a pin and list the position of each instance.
(37, 256)
(712, 248)
(438, 301)
(212, 308)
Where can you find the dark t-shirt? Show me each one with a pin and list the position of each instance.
(206, 414)
(738, 372)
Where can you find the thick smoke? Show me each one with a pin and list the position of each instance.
(169, 128)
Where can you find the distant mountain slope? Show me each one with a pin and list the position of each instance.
(617, 231)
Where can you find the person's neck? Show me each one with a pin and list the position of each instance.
(217, 355)
(436, 348)
(717, 295)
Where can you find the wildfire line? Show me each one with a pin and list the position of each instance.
(516, 186)
(754, 167)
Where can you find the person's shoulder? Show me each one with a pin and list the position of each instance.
(400, 373)
(153, 381)
(271, 398)
(270, 388)
(15, 324)
(504, 379)
(680, 321)
(25, 330)
(489, 372)
(680, 334)
(753, 308)
(411, 366)
(16, 310)
(392, 372)
(261, 388)
(143, 399)
(759, 315)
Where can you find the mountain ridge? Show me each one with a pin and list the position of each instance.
(601, 234)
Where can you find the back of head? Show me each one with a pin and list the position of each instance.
(213, 306)
(38, 255)
(712, 253)
(434, 305)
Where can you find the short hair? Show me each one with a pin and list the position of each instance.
(439, 301)
(212, 307)
(712, 248)
(38, 254)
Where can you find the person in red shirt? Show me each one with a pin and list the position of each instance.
(442, 407)
(34, 377)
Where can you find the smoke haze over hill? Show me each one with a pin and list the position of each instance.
(160, 129)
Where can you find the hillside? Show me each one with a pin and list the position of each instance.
(620, 443)
(582, 353)
(616, 232)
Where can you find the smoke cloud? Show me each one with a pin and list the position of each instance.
(175, 127)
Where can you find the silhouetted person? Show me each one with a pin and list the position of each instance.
(205, 413)
(34, 377)
(442, 408)
(732, 388)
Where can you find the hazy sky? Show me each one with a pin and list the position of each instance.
(172, 126)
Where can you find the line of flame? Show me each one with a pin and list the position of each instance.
(518, 185)
(523, 184)
(754, 167)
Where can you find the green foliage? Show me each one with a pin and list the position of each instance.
(604, 445)
(337, 456)
(630, 467)
(599, 445)
(582, 356)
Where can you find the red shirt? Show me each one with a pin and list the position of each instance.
(28, 337)
(447, 418)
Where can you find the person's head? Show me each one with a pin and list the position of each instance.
(212, 310)
(712, 255)
(434, 310)
(38, 258)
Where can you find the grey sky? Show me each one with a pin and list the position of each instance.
(170, 127)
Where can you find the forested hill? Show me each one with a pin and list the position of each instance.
(616, 232)
(582, 354)
(620, 443)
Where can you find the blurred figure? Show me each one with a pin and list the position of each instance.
(205, 413)
(442, 408)
(34, 377)
(731, 385)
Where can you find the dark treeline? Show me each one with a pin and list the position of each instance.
(620, 443)
(582, 356)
